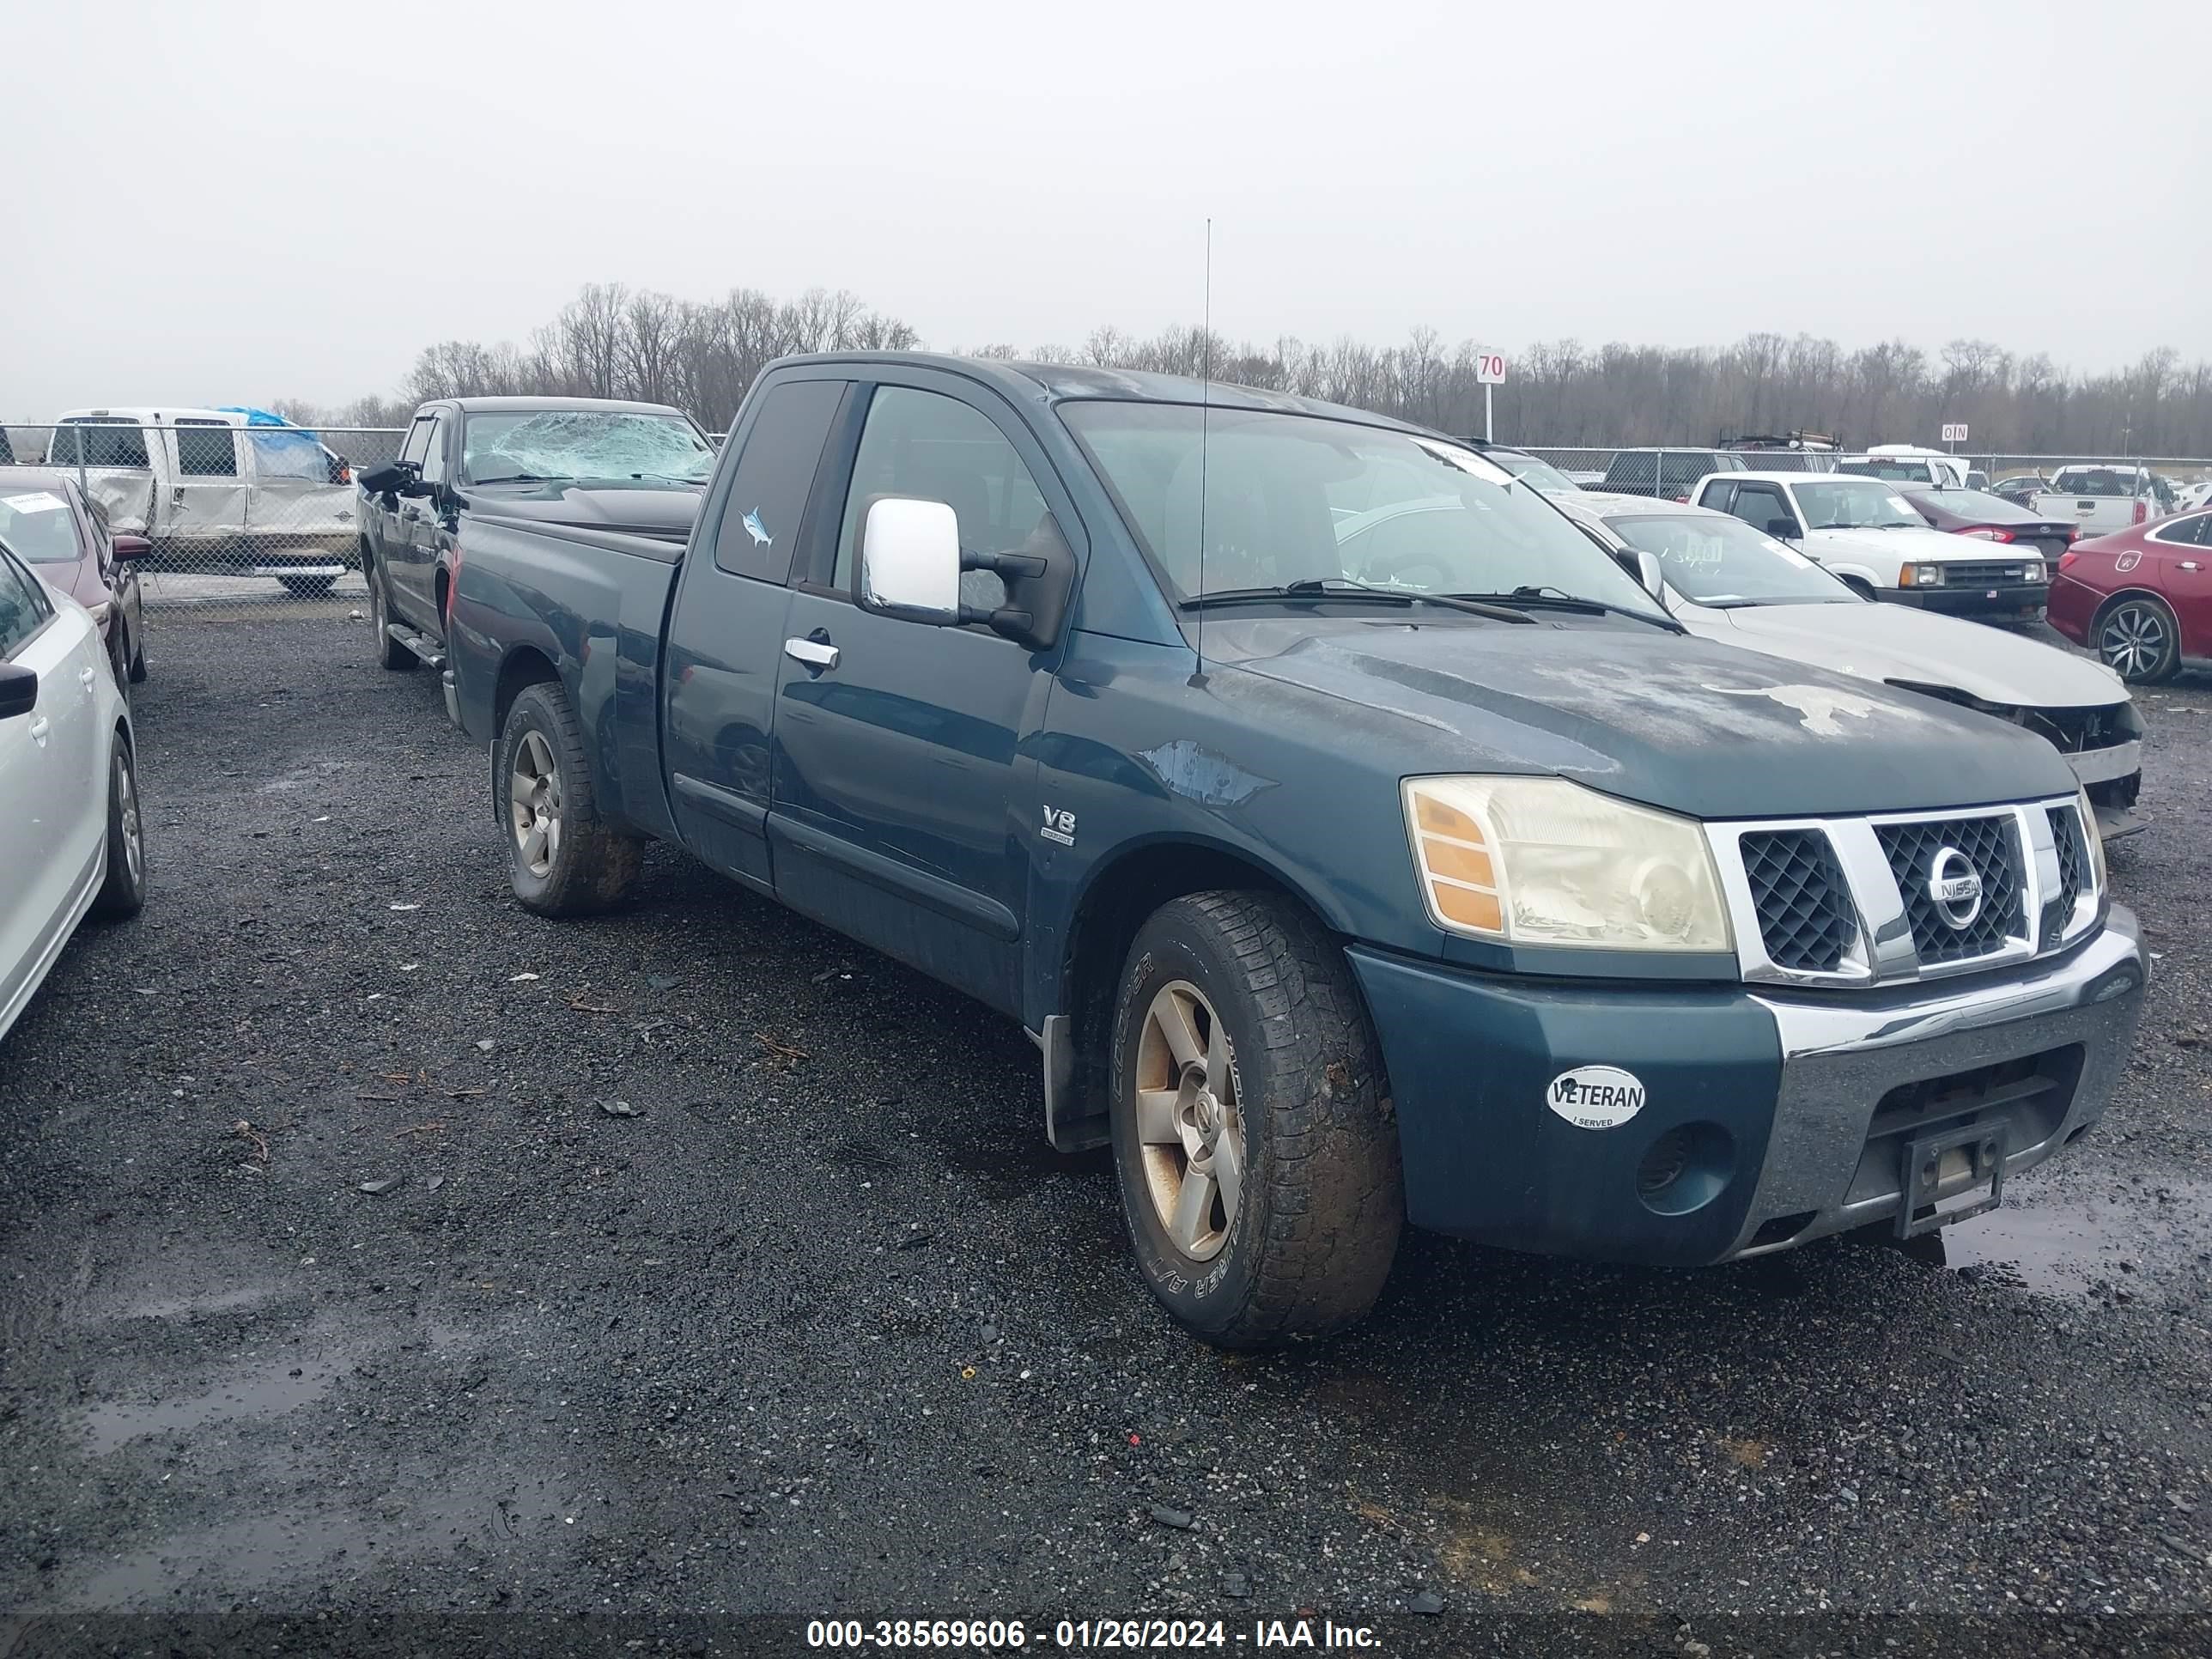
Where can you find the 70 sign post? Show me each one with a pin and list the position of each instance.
(1489, 371)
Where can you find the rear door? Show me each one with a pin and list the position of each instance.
(725, 633)
(206, 505)
(111, 457)
(51, 762)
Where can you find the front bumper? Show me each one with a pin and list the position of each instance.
(1778, 1116)
(2013, 600)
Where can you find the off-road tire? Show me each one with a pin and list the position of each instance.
(2157, 612)
(124, 893)
(593, 866)
(387, 651)
(1322, 1199)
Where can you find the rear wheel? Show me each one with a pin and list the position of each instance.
(119, 658)
(1251, 1124)
(386, 649)
(124, 893)
(2139, 640)
(562, 859)
(307, 587)
(138, 658)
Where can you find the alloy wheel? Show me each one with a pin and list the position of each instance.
(1190, 1125)
(2133, 640)
(534, 803)
(126, 811)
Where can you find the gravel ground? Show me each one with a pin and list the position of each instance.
(333, 1286)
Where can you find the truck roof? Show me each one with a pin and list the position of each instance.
(511, 406)
(1062, 381)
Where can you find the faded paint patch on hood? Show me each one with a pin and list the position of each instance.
(1672, 720)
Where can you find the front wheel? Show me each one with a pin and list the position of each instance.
(562, 859)
(124, 893)
(2140, 641)
(307, 587)
(1251, 1123)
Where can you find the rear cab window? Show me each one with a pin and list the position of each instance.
(782, 450)
(88, 442)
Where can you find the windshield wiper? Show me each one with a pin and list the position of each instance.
(1556, 599)
(1332, 588)
(518, 477)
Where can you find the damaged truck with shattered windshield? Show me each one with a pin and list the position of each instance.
(1358, 840)
(635, 467)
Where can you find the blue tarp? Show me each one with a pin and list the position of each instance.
(288, 451)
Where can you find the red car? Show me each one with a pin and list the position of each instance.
(2141, 598)
(59, 532)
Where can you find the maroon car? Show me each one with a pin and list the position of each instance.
(48, 522)
(1988, 518)
(2141, 598)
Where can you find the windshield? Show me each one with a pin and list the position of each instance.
(1298, 498)
(1840, 503)
(1712, 559)
(582, 443)
(1532, 471)
(38, 525)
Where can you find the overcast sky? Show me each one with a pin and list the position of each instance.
(226, 203)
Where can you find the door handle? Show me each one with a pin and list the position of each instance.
(815, 653)
(41, 727)
(2189, 564)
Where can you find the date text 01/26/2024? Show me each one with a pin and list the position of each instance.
(1086, 1634)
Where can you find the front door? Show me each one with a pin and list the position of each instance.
(422, 520)
(897, 818)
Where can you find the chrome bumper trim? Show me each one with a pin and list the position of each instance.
(1839, 1058)
(2121, 760)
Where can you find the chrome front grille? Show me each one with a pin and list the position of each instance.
(1804, 912)
(1865, 900)
(1991, 847)
(2008, 574)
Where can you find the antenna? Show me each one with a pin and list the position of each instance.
(1205, 428)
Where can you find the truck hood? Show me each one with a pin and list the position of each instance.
(1671, 721)
(1897, 642)
(1909, 544)
(642, 509)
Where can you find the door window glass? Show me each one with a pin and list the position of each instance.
(206, 449)
(937, 448)
(775, 474)
(418, 440)
(1759, 505)
(434, 467)
(23, 606)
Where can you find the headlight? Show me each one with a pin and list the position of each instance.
(1543, 861)
(1921, 575)
(2095, 837)
(2035, 571)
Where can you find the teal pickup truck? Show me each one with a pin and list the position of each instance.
(1358, 840)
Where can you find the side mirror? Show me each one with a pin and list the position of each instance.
(1649, 572)
(1783, 530)
(19, 690)
(910, 559)
(393, 478)
(131, 547)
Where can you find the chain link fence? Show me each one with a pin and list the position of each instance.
(243, 515)
(1587, 466)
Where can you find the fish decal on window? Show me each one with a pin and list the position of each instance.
(755, 529)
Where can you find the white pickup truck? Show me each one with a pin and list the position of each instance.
(2102, 497)
(1862, 532)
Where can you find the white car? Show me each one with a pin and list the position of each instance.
(71, 839)
(2193, 497)
(1724, 580)
(1863, 532)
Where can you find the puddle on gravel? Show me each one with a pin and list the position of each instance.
(2074, 1247)
(179, 1307)
(263, 1390)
